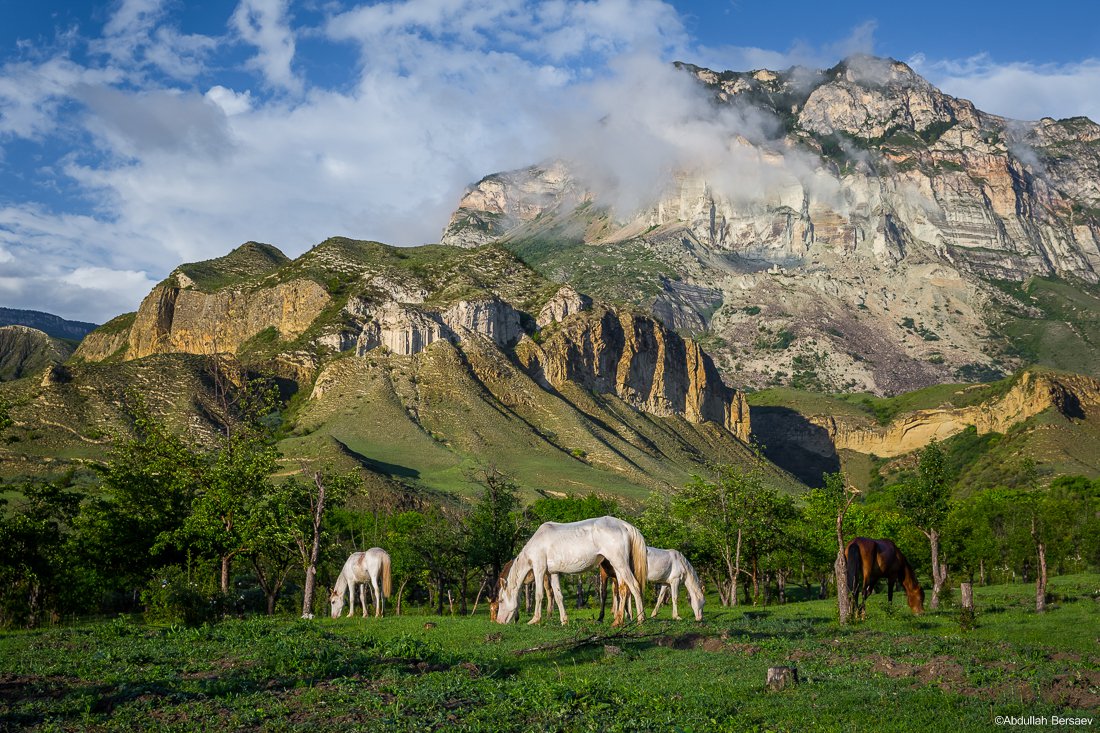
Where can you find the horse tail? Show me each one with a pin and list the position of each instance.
(639, 562)
(855, 568)
(387, 576)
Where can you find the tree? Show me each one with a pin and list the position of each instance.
(302, 507)
(148, 485)
(235, 473)
(729, 516)
(926, 501)
(493, 525)
(33, 563)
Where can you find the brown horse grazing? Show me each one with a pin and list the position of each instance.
(869, 560)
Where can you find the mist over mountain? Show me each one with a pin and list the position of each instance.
(845, 229)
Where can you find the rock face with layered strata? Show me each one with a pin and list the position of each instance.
(643, 362)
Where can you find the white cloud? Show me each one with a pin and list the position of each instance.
(231, 102)
(1019, 90)
(264, 24)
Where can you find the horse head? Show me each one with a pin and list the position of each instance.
(507, 602)
(916, 600)
(336, 603)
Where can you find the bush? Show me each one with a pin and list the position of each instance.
(170, 598)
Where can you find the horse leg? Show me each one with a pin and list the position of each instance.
(540, 575)
(377, 595)
(351, 599)
(555, 587)
(660, 599)
(889, 590)
(603, 595)
(627, 577)
(675, 590)
(363, 598)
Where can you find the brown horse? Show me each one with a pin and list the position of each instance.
(869, 560)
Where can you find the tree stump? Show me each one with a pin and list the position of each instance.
(967, 592)
(781, 677)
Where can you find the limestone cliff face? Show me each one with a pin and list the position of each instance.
(1073, 396)
(185, 320)
(640, 360)
(409, 328)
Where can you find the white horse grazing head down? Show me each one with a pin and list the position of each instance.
(667, 568)
(574, 547)
(670, 568)
(372, 566)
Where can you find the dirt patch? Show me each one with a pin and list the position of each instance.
(942, 671)
(694, 640)
(1064, 657)
(1079, 690)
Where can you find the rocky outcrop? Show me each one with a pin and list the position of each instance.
(174, 319)
(499, 203)
(1073, 396)
(406, 329)
(563, 304)
(25, 350)
(638, 359)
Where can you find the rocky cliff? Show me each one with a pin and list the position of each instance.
(641, 361)
(1073, 396)
(869, 248)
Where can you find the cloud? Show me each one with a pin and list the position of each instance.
(861, 40)
(1019, 90)
(138, 37)
(264, 24)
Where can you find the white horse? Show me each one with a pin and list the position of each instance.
(372, 566)
(574, 547)
(669, 568)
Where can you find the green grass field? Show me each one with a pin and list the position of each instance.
(890, 672)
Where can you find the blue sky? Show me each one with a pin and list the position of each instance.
(138, 134)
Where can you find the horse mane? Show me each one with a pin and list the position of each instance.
(341, 585)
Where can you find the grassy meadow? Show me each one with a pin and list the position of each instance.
(418, 672)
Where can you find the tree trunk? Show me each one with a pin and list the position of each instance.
(939, 570)
(1041, 580)
(580, 592)
(226, 561)
(981, 571)
(843, 597)
(966, 591)
(781, 586)
(315, 549)
(465, 591)
(736, 571)
(823, 587)
(439, 596)
(400, 592)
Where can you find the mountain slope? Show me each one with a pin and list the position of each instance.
(24, 351)
(422, 364)
(867, 235)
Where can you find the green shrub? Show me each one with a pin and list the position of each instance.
(171, 598)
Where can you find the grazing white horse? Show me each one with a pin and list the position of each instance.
(574, 547)
(669, 568)
(372, 566)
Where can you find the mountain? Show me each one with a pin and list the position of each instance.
(25, 350)
(52, 325)
(419, 364)
(866, 232)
